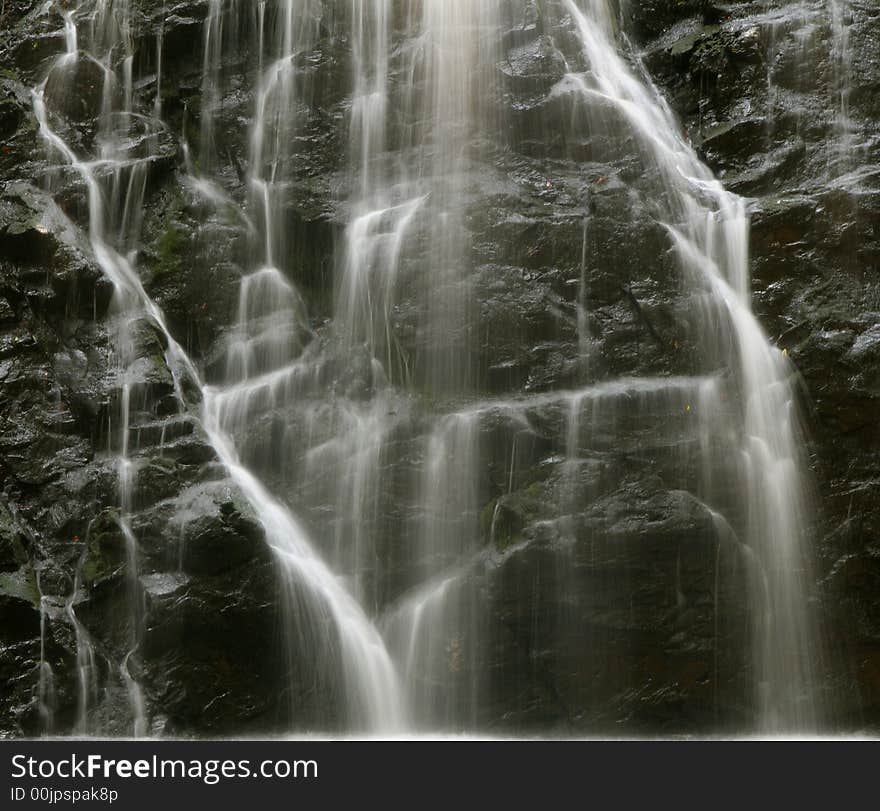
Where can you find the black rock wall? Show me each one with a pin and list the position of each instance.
(641, 649)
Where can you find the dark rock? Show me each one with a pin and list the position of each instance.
(602, 584)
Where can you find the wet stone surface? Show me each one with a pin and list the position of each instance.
(600, 596)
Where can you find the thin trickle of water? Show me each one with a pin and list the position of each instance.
(135, 697)
(86, 664)
(281, 90)
(160, 44)
(841, 56)
(583, 313)
(46, 686)
(371, 49)
(211, 66)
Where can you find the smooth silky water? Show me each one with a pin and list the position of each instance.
(405, 647)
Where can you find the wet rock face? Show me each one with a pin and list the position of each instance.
(203, 570)
(62, 550)
(616, 614)
(772, 129)
(627, 594)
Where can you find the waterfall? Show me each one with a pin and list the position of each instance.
(310, 589)
(709, 229)
(386, 472)
(116, 182)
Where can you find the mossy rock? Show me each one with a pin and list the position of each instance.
(12, 549)
(170, 250)
(504, 520)
(21, 585)
(105, 552)
(693, 40)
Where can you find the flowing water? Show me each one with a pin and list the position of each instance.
(840, 12)
(326, 432)
(709, 228)
(310, 589)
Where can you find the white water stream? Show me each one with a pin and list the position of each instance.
(429, 65)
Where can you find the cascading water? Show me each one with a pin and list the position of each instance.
(310, 589)
(118, 175)
(709, 228)
(384, 476)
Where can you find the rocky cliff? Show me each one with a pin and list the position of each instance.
(779, 99)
